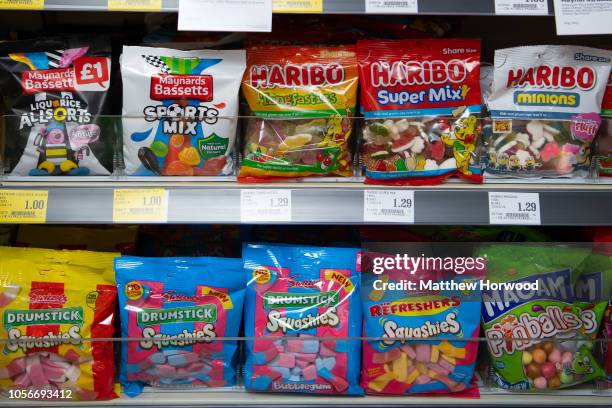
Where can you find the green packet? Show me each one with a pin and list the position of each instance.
(593, 290)
(536, 339)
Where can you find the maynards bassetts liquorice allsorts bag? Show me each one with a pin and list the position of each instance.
(51, 304)
(545, 107)
(421, 101)
(303, 101)
(537, 338)
(54, 93)
(179, 111)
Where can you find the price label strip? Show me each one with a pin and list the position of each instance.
(392, 6)
(297, 6)
(22, 4)
(134, 5)
(265, 206)
(23, 206)
(521, 7)
(388, 206)
(514, 208)
(140, 205)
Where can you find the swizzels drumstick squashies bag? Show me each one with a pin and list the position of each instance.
(421, 101)
(303, 100)
(49, 302)
(545, 108)
(302, 307)
(177, 307)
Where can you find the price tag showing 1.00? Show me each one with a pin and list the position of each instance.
(388, 206)
(22, 4)
(265, 205)
(23, 206)
(140, 205)
(297, 6)
(134, 5)
(514, 208)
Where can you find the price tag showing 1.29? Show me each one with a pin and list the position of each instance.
(265, 205)
(140, 205)
(23, 206)
(388, 206)
(514, 208)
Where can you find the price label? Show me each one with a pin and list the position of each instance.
(521, 7)
(140, 205)
(578, 17)
(388, 206)
(392, 6)
(23, 206)
(265, 205)
(134, 5)
(22, 4)
(225, 15)
(297, 6)
(514, 208)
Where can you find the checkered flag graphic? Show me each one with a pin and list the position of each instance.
(157, 62)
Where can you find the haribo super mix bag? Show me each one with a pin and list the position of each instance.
(177, 308)
(421, 101)
(537, 338)
(545, 107)
(423, 340)
(54, 93)
(302, 310)
(179, 111)
(302, 100)
(53, 307)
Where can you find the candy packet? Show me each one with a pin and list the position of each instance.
(302, 315)
(545, 108)
(50, 302)
(537, 338)
(421, 101)
(177, 307)
(396, 362)
(179, 111)
(303, 101)
(604, 149)
(54, 93)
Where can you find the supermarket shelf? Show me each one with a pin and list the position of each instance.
(181, 398)
(324, 203)
(454, 7)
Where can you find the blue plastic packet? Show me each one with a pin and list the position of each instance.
(302, 304)
(177, 307)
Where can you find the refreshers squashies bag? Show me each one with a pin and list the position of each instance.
(421, 101)
(545, 108)
(177, 307)
(54, 93)
(50, 301)
(179, 111)
(303, 100)
(302, 317)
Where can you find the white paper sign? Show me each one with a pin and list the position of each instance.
(265, 205)
(521, 7)
(388, 206)
(392, 6)
(514, 208)
(577, 17)
(225, 15)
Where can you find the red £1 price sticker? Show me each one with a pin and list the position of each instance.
(92, 70)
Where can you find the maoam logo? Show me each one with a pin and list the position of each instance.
(545, 76)
(287, 76)
(406, 73)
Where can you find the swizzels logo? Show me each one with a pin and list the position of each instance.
(198, 87)
(546, 76)
(48, 80)
(288, 76)
(405, 73)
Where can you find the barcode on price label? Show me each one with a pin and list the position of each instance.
(265, 205)
(514, 208)
(392, 6)
(521, 7)
(388, 206)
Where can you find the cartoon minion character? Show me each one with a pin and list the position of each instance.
(514, 163)
(529, 164)
(502, 161)
(52, 144)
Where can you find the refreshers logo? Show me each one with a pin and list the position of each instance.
(288, 76)
(406, 73)
(199, 87)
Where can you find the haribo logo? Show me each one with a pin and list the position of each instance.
(545, 76)
(406, 73)
(199, 87)
(287, 76)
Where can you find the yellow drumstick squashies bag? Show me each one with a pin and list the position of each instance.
(51, 303)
